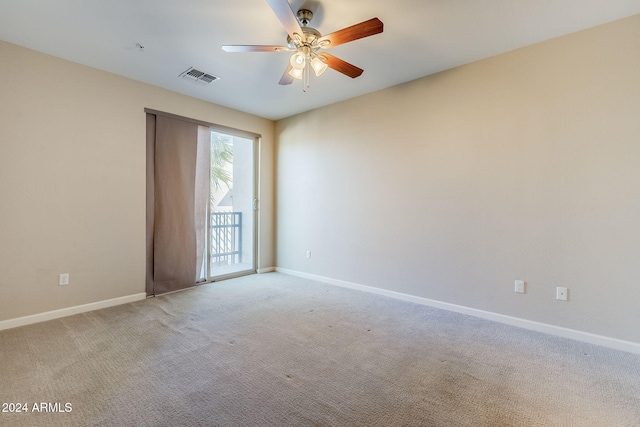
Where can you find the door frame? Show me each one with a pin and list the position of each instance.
(256, 139)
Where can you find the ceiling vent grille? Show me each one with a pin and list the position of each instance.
(198, 76)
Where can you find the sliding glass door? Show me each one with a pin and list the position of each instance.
(231, 238)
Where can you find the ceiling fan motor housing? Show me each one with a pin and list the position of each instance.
(311, 35)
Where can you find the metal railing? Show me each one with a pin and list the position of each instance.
(225, 238)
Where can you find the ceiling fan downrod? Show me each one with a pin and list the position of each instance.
(304, 17)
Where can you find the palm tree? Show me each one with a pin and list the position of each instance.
(221, 159)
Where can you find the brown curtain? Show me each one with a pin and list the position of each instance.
(174, 216)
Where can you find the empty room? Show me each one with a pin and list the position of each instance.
(320, 213)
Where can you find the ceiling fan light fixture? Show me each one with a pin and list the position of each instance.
(296, 73)
(298, 61)
(318, 65)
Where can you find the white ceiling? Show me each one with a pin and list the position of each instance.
(420, 37)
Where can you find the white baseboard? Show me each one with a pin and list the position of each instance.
(629, 346)
(64, 312)
(266, 270)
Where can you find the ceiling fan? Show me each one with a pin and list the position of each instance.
(307, 44)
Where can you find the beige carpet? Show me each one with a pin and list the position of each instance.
(275, 350)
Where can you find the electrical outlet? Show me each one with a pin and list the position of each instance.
(64, 279)
(520, 286)
(308, 254)
(562, 293)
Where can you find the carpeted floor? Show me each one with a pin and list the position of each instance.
(276, 350)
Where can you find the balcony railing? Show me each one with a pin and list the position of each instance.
(225, 238)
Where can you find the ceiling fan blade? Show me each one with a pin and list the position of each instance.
(254, 48)
(287, 17)
(364, 29)
(341, 66)
(286, 78)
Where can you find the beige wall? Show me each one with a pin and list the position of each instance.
(72, 174)
(523, 166)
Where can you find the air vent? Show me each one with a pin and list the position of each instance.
(198, 76)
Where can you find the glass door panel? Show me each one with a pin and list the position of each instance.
(231, 237)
